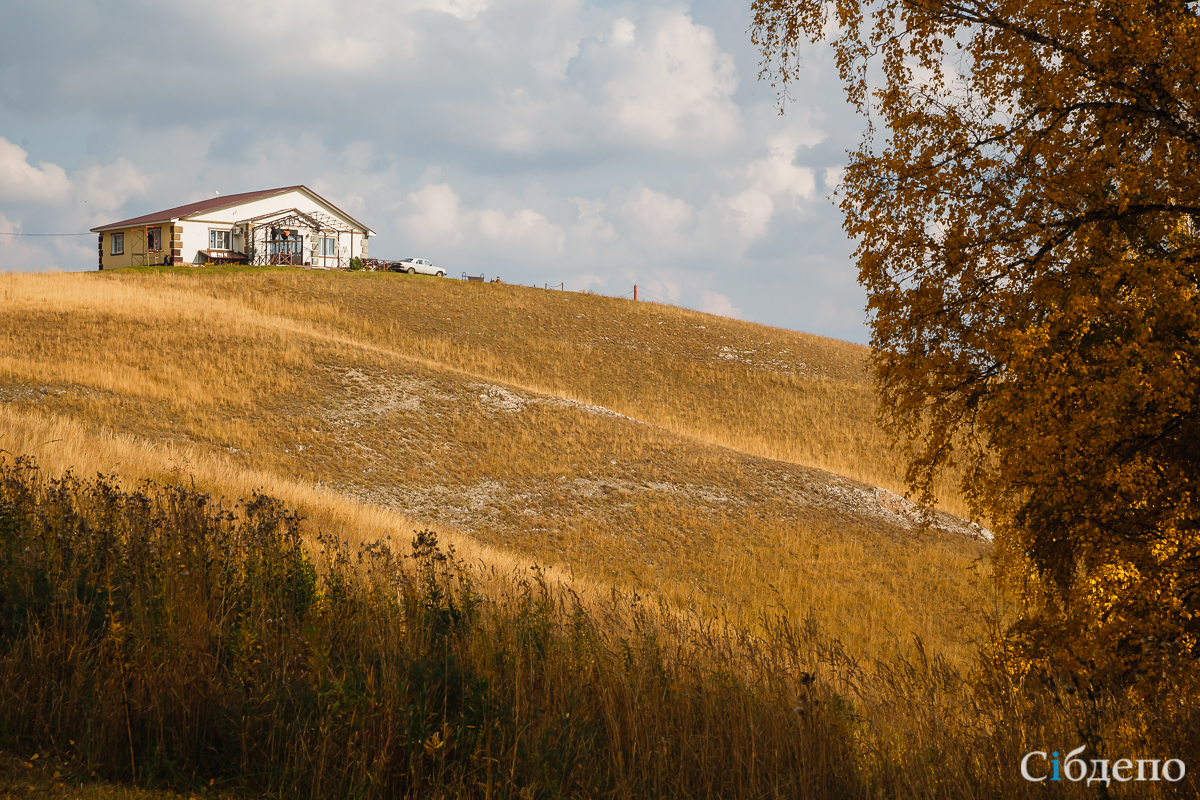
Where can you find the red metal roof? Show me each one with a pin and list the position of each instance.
(203, 206)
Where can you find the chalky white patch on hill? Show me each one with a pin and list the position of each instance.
(479, 505)
(498, 398)
(504, 399)
(896, 510)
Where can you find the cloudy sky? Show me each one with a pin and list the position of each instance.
(597, 144)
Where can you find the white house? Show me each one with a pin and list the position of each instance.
(292, 225)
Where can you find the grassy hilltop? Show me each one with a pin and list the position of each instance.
(730, 599)
(721, 464)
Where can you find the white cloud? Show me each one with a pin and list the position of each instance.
(15, 250)
(526, 232)
(552, 65)
(664, 285)
(657, 218)
(750, 211)
(22, 183)
(339, 38)
(829, 312)
(460, 9)
(592, 229)
(716, 303)
(570, 78)
(832, 177)
(587, 282)
(624, 32)
(663, 82)
(107, 188)
(36, 254)
(771, 182)
(778, 174)
(438, 218)
(352, 203)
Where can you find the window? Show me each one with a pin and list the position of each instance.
(116, 244)
(328, 246)
(220, 240)
(154, 239)
(286, 242)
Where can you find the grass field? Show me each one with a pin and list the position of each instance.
(636, 445)
(153, 636)
(730, 599)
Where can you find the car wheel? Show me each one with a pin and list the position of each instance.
(412, 270)
(441, 274)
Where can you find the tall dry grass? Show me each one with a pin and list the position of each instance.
(245, 379)
(155, 636)
(158, 638)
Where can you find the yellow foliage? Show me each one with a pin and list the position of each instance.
(1027, 234)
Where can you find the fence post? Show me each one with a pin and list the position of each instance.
(635, 293)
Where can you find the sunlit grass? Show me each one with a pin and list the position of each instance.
(684, 460)
(159, 637)
(377, 402)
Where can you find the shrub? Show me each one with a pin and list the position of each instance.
(153, 635)
(156, 636)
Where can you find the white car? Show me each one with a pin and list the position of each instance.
(414, 265)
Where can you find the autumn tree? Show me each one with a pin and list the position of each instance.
(1025, 202)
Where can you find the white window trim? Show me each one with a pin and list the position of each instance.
(226, 234)
(115, 239)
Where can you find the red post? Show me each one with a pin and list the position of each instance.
(635, 293)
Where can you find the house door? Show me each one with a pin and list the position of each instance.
(137, 247)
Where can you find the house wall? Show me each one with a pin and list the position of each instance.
(350, 245)
(131, 258)
(194, 237)
(269, 205)
(109, 261)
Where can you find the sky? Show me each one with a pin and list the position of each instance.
(595, 144)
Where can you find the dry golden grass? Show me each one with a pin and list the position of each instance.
(764, 391)
(160, 638)
(379, 403)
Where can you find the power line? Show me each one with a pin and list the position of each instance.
(656, 295)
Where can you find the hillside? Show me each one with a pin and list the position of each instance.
(720, 464)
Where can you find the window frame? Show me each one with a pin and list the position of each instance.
(224, 234)
(285, 241)
(153, 246)
(328, 247)
(116, 244)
